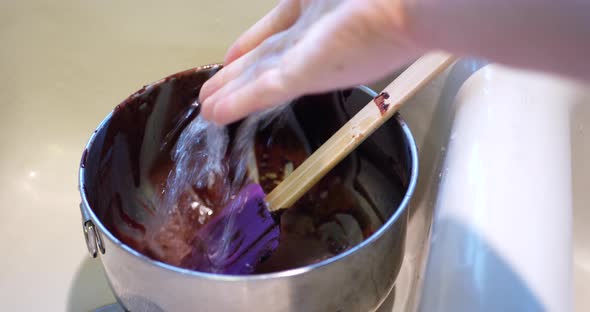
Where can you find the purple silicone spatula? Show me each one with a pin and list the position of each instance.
(237, 239)
(245, 232)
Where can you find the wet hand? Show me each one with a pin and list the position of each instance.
(308, 46)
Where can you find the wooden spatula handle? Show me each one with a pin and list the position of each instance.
(357, 129)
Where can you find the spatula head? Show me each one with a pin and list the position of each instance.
(236, 239)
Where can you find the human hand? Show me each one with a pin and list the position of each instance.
(308, 46)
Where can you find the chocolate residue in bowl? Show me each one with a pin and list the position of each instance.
(130, 161)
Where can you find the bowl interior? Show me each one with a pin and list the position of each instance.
(140, 132)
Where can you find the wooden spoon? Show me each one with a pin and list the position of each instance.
(247, 219)
(357, 129)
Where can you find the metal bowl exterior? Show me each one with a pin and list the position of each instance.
(356, 280)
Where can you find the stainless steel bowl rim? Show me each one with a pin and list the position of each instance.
(287, 273)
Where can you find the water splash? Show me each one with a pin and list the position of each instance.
(208, 169)
(199, 160)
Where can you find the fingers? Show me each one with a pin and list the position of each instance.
(346, 46)
(278, 19)
(253, 82)
(223, 76)
(232, 103)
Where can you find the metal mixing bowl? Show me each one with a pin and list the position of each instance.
(358, 279)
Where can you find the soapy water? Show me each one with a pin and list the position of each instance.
(198, 156)
(201, 158)
(208, 170)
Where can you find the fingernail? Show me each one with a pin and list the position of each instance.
(207, 108)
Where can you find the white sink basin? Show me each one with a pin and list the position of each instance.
(502, 160)
(66, 64)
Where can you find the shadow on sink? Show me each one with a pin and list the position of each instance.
(493, 287)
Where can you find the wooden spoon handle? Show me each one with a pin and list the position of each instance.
(357, 129)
